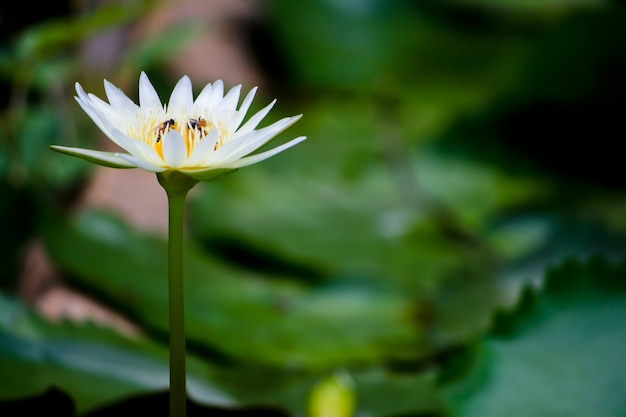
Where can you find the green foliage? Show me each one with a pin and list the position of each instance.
(558, 353)
(235, 312)
(435, 238)
(96, 365)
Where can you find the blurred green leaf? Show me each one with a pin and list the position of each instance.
(14, 204)
(546, 8)
(560, 352)
(98, 367)
(247, 315)
(566, 98)
(152, 52)
(378, 391)
(388, 47)
(51, 36)
(360, 215)
(93, 364)
(42, 127)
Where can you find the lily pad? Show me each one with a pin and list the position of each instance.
(97, 369)
(240, 314)
(95, 365)
(560, 352)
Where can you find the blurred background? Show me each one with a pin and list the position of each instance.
(460, 154)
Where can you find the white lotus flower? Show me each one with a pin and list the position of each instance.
(201, 139)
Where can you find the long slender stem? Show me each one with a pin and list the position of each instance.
(177, 187)
(178, 390)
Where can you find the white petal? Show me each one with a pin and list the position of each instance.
(86, 100)
(120, 116)
(137, 147)
(148, 97)
(241, 113)
(254, 121)
(113, 114)
(230, 101)
(244, 145)
(142, 163)
(253, 159)
(99, 119)
(119, 100)
(174, 149)
(204, 149)
(107, 159)
(210, 96)
(204, 98)
(217, 93)
(182, 96)
(80, 90)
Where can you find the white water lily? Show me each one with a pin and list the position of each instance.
(200, 138)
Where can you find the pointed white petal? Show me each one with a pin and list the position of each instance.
(253, 159)
(137, 147)
(119, 100)
(85, 99)
(81, 92)
(210, 96)
(244, 145)
(182, 96)
(148, 97)
(112, 114)
(94, 102)
(231, 99)
(104, 122)
(174, 149)
(204, 149)
(217, 93)
(204, 98)
(107, 159)
(98, 118)
(241, 113)
(142, 163)
(254, 121)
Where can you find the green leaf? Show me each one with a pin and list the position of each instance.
(52, 35)
(524, 8)
(98, 367)
(560, 352)
(95, 365)
(246, 315)
(360, 226)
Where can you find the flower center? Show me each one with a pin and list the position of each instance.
(192, 129)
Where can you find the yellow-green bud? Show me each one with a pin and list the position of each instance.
(334, 396)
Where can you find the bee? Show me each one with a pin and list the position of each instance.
(199, 123)
(164, 127)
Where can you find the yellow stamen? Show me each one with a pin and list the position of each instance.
(193, 130)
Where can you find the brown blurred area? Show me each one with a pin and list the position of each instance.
(219, 52)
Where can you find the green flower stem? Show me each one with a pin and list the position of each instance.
(176, 186)
(178, 390)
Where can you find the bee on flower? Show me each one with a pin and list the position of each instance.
(163, 128)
